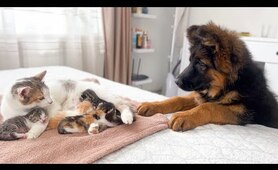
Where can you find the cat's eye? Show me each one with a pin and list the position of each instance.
(42, 98)
(96, 116)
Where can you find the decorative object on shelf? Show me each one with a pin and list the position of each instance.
(134, 9)
(145, 39)
(245, 34)
(137, 10)
(140, 39)
(149, 43)
(145, 10)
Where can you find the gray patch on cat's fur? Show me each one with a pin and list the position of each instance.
(69, 85)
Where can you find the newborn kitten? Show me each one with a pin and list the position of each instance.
(18, 127)
(92, 120)
(112, 114)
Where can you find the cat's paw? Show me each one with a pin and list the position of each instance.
(31, 136)
(93, 129)
(21, 135)
(127, 117)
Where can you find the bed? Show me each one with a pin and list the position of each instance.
(206, 144)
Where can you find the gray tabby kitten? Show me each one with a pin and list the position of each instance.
(17, 127)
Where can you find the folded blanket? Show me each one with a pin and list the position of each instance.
(52, 147)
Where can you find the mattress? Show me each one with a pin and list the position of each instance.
(206, 144)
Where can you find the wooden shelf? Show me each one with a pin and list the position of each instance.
(143, 50)
(147, 16)
(142, 82)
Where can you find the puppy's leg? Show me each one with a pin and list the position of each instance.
(204, 114)
(170, 105)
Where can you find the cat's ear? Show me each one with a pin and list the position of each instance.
(23, 92)
(41, 75)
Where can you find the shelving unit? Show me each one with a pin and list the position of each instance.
(147, 16)
(139, 52)
(142, 82)
(143, 50)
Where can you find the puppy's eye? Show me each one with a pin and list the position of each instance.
(202, 65)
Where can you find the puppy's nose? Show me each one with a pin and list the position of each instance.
(178, 82)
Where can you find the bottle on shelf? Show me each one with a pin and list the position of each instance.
(134, 37)
(134, 9)
(139, 10)
(139, 38)
(149, 43)
(145, 10)
(145, 39)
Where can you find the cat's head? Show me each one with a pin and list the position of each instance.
(32, 91)
(37, 114)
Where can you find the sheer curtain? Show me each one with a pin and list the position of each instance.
(31, 37)
(117, 33)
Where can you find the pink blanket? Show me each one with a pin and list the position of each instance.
(52, 147)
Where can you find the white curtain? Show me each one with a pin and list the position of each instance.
(179, 32)
(31, 37)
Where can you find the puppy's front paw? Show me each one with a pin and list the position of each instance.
(147, 109)
(181, 122)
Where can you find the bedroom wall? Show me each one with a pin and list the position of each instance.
(239, 19)
(159, 30)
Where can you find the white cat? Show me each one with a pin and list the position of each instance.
(56, 96)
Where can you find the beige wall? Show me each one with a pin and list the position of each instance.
(240, 19)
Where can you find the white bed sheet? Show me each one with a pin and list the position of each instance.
(206, 144)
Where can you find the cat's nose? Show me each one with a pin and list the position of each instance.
(50, 101)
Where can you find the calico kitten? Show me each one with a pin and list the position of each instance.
(18, 127)
(22, 96)
(112, 114)
(92, 120)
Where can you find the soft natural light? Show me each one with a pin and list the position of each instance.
(54, 21)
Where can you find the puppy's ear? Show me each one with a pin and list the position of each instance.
(205, 35)
(192, 34)
(211, 42)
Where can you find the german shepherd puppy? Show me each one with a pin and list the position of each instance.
(228, 87)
